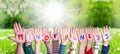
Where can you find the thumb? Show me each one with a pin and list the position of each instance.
(12, 38)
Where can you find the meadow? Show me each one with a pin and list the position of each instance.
(8, 47)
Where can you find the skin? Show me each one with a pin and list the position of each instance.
(73, 39)
(46, 32)
(97, 34)
(56, 31)
(29, 37)
(106, 30)
(18, 30)
(81, 41)
(64, 35)
(89, 38)
(37, 40)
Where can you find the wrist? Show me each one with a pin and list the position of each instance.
(105, 44)
(18, 44)
(38, 43)
(73, 45)
(27, 43)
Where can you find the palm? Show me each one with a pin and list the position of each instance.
(106, 34)
(81, 35)
(46, 34)
(64, 34)
(56, 34)
(29, 35)
(37, 35)
(19, 34)
(73, 36)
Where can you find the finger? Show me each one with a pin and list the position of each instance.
(19, 26)
(12, 38)
(22, 29)
(15, 29)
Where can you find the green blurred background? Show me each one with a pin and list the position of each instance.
(97, 13)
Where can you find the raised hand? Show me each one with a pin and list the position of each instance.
(37, 35)
(106, 35)
(46, 34)
(81, 35)
(64, 35)
(29, 35)
(56, 34)
(89, 32)
(73, 36)
(19, 34)
(97, 35)
(19, 37)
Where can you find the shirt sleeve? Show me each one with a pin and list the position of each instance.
(28, 49)
(55, 47)
(89, 51)
(62, 49)
(105, 49)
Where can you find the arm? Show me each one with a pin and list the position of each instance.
(64, 40)
(73, 39)
(55, 41)
(82, 40)
(49, 48)
(89, 33)
(28, 48)
(106, 39)
(37, 38)
(19, 38)
(29, 38)
(98, 39)
(19, 49)
(62, 49)
(46, 39)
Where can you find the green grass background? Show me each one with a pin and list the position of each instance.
(8, 47)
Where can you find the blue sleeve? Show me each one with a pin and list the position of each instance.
(62, 49)
(105, 49)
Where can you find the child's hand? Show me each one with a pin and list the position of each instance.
(89, 32)
(73, 36)
(56, 34)
(97, 35)
(37, 35)
(29, 38)
(64, 35)
(46, 35)
(19, 34)
(106, 35)
(81, 35)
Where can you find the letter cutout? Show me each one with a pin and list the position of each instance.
(81, 37)
(107, 36)
(20, 36)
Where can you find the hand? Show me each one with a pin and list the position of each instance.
(46, 35)
(81, 36)
(56, 34)
(106, 35)
(29, 38)
(73, 36)
(37, 35)
(97, 35)
(19, 34)
(29, 35)
(89, 32)
(64, 35)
